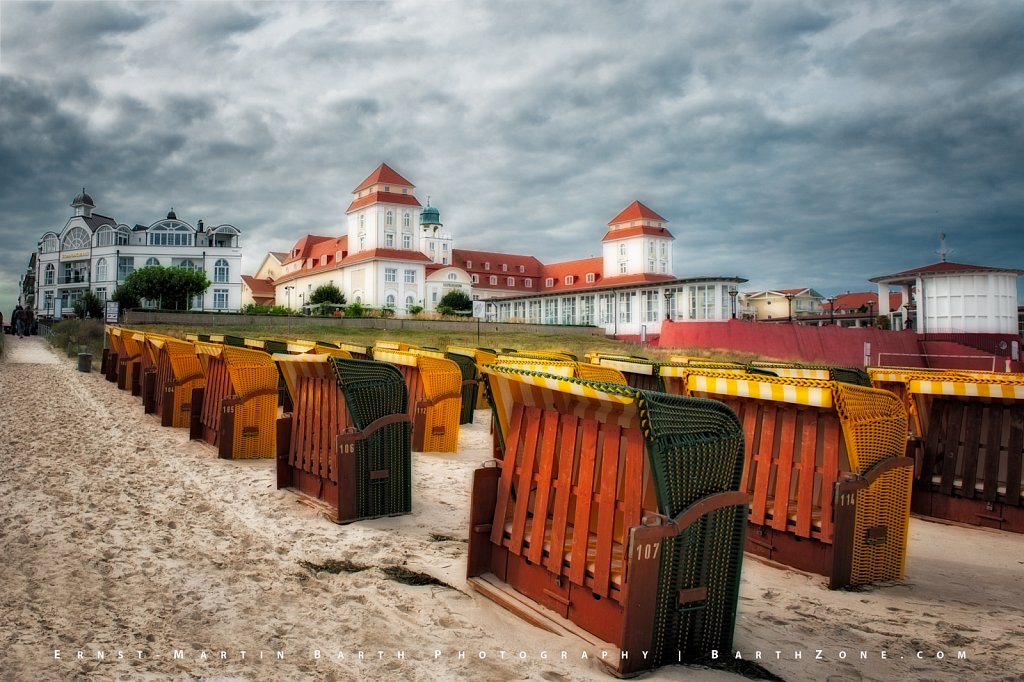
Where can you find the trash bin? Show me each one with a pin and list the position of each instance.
(85, 362)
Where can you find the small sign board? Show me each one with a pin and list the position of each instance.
(479, 309)
(111, 311)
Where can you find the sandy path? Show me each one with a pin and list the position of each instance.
(121, 536)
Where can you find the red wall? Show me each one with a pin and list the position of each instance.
(785, 341)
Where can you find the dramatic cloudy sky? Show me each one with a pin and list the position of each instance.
(792, 143)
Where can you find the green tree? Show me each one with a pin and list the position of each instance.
(354, 309)
(327, 293)
(172, 288)
(455, 302)
(126, 298)
(89, 305)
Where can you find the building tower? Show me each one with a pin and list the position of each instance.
(83, 205)
(637, 243)
(433, 242)
(382, 212)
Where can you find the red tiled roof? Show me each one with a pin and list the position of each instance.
(645, 278)
(532, 269)
(531, 266)
(389, 254)
(624, 232)
(382, 198)
(303, 246)
(635, 211)
(322, 246)
(854, 301)
(260, 288)
(578, 269)
(944, 267)
(383, 174)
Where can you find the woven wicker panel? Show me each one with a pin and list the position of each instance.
(374, 390)
(441, 378)
(469, 373)
(187, 372)
(254, 378)
(606, 375)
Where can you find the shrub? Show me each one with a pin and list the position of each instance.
(354, 309)
(89, 305)
(414, 309)
(327, 293)
(454, 301)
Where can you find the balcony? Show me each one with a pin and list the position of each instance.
(73, 281)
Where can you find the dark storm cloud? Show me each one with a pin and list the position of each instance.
(792, 143)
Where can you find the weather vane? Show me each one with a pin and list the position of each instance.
(943, 251)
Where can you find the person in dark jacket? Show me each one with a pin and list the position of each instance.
(18, 320)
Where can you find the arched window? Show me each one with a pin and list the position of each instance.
(406, 220)
(170, 233)
(101, 270)
(188, 265)
(152, 261)
(409, 301)
(390, 300)
(389, 217)
(51, 243)
(76, 238)
(108, 236)
(452, 276)
(48, 275)
(220, 270)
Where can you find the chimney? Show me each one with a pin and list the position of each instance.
(200, 225)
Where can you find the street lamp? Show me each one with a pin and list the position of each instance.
(871, 312)
(733, 292)
(789, 299)
(832, 310)
(288, 290)
(668, 299)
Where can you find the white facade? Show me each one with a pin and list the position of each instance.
(637, 255)
(984, 303)
(94, 252)
(955, 298)
(629, 310)
(443, 281)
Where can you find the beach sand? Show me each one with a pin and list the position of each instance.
(121, 537)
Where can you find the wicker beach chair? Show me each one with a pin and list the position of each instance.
(613, 510)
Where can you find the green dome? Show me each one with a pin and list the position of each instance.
(430, 216)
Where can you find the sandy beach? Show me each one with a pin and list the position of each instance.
(132, 553)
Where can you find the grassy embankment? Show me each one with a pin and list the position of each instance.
(88, 336)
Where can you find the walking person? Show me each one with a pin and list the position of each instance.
(18, 320)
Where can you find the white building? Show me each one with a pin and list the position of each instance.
(630, 290)
(954, 298)
(95, 252)
(397, 254)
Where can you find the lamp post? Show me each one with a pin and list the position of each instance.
(288, 290)
(668, 299)
(733, 293)
(871, 312)
(789, 300)
(832, 310)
